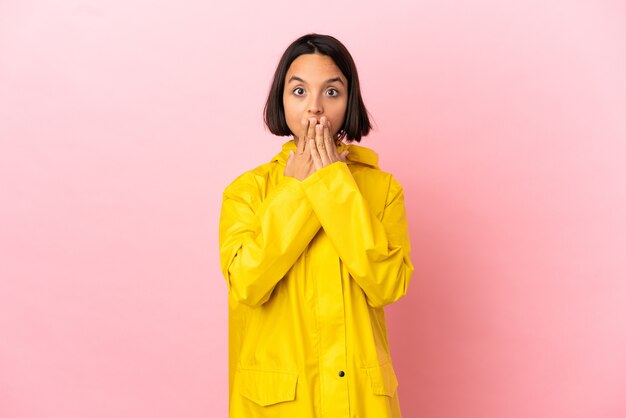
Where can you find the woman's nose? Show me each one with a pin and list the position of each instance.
(315, 106)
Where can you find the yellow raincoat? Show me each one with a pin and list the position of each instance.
(309, 266)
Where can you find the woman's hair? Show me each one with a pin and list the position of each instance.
(356, 122)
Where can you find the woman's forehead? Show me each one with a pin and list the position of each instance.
(314, 68)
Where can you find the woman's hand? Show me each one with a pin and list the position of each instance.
(300, 165)
(316, 149)
(323, 149)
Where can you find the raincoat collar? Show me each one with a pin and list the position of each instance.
(357, 154)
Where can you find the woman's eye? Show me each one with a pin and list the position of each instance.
(299, 91)
(334, 92)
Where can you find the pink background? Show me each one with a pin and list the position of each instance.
(122, 121)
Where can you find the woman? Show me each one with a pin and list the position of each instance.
(313, 245)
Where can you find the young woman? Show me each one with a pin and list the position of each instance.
(313, 245)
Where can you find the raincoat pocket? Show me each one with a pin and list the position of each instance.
(267, 387)
(383, 379)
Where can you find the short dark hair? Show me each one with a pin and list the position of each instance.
(356, 122)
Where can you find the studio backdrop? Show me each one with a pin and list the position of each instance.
(121, 122)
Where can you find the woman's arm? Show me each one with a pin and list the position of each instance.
(260, 241)
(376, 252)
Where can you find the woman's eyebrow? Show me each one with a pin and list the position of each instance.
(330, 80)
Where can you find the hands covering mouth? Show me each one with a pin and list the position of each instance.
(316, 149)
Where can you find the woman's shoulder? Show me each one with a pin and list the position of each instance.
(250, 180)
(364, 161)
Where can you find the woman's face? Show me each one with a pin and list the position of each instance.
(314, 87)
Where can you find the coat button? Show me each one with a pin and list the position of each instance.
(341, 373)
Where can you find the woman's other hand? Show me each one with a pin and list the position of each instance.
(323, 149)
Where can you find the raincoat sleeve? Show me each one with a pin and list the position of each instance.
(260, 239)
(375, 252)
